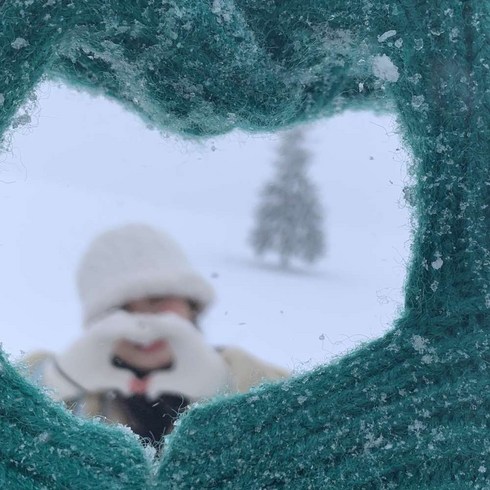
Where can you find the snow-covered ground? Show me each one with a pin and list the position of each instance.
(84, 165)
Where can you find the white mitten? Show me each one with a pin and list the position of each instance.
(198, 370)
(86, 366)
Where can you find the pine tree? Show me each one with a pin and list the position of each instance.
(289, 216)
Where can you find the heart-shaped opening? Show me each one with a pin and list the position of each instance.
(85, 165)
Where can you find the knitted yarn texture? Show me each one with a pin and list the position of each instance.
(45, 447)
(410, 410)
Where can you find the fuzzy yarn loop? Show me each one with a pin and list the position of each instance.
(409, 410)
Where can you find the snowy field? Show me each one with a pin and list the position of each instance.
(84, 165)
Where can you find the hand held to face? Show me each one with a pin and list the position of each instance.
(169, 347)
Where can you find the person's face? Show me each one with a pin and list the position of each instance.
(168, 304)
(159, 353)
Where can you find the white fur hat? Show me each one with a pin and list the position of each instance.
(134, 262)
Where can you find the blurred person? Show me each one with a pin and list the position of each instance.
(142, 358)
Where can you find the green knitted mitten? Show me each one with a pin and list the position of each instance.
(43, 446)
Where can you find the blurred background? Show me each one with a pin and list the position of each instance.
(83, 165)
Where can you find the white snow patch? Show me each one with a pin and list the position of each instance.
(454, 34)
(437, 264)
(218, 9)
(386, 36)
(2, 100)
(19, 43)
(150, 452)
(373, 442)
(415, 79)
(419, 344)
(385, 69)
(417, 101)
(417, 426)
(43, 437)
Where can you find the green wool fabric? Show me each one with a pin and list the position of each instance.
(410, 410)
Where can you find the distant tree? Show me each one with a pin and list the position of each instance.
(289, 216)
